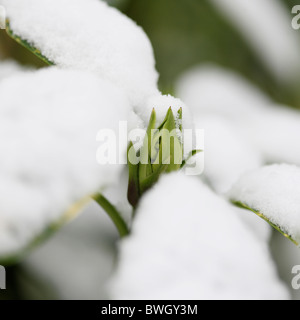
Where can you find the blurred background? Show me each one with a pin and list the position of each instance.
(254, 40)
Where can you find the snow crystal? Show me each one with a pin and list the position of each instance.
(273, 191)
(187, 243)
(272, 130)
(88, 35)
(259, 21)
(48, 126)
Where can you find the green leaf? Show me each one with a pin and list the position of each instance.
(145, 168)
(26, 44)
(244, 206)
(113, 213)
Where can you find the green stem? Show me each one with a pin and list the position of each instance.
(113, 214)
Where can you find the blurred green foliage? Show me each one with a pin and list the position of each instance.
(185, 33)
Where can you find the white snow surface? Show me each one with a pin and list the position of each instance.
(275, 132)
(258, 21)
(210, 89)
(273, 191)
(261, 228)
(88, 35)
(10, 68)
(270, 129)
(187, 243)
(49, 121)
(227, 155)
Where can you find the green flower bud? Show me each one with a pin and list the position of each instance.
(162, 151)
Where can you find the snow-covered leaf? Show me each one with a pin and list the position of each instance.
(87, 35)
(27, 45)
(272, 192)
(49, 122)
(187, 243)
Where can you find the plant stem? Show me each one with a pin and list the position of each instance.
(113, 214)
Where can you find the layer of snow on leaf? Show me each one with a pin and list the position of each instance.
(227, 155)
(187, 243)
(259, 21)
(49, 121)
(88, 35)
(273, 191)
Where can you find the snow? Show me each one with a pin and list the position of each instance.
(261, 229)
(187, 243)
(226, 153)
(83, 250)
(270, 129)
(286, 256)
(212, 89)
(273, 191)
(275, 131)
(10, 68)
(258, 21)
(49, 121)
(112, 45)
(2, 17)
(161, 103)
(88, 35)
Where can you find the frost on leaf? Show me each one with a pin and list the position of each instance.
(62, 32)
(272, 192)
(187, 243)
(48, 150)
